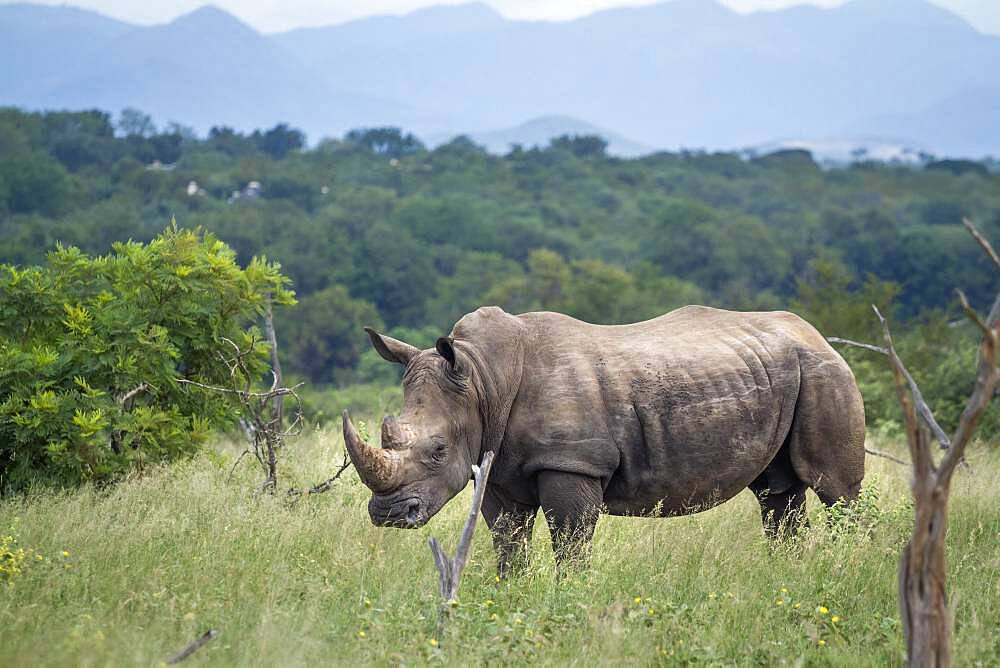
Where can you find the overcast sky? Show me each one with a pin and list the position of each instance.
(277, 15)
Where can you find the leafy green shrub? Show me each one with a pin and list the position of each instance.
(90, 348)
(863, 515)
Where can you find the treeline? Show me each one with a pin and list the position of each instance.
(377, 229)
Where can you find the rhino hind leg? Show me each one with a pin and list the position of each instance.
(782, 512)
(782, 496)
(826, 442)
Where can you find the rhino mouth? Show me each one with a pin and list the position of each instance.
(407, 513)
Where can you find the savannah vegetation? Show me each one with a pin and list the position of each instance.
(104, 302)
(375, 229)
(132, 573)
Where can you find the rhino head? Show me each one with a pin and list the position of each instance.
(428, 450)
(456, 401)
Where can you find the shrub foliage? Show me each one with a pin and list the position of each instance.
(90, 348)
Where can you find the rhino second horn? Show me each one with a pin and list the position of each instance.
(378, 468)
(392, 435)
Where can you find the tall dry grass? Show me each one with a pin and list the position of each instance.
(131, 574)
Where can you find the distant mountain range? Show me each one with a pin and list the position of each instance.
(538, 132)
(684, 73)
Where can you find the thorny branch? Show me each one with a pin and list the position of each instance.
(264, 423)
(327, 484)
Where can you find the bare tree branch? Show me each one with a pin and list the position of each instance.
(866, 346)
(327, 484)
(237, 463)
(982, 393)
(450, 570)
(265, 433)
(279, 392)
(886, 455)
(193, 647)
(981, 240)
(128, 396)
(272, 339)
(971, 314)
(920, 454)
(921, 404)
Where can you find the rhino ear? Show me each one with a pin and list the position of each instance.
(445, 347)
(391, 349)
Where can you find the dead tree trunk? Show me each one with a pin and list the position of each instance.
(278, 409)
(923, 599)
(450, 570)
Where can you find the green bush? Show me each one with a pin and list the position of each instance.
(90, 349)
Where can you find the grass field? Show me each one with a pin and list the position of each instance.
(131, 574)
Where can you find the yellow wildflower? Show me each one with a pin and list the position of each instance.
(797, 605)
(637, 599)
(361, 634)
(65, 553)
(779, 602)
(822, 610)
(835, 619)
(821, 643)
(434, 642)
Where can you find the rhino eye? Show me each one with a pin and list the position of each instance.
(440, 452)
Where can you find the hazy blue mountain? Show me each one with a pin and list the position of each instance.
(202, 69)
(539, 131)
(40, 43)
(684, 73)
(967, 122)
(377, 31)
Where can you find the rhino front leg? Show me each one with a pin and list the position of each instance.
(511, 524)
(572, 504)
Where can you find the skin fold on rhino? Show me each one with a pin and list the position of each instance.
(665, 417)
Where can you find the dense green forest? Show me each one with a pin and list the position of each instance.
(376, 229)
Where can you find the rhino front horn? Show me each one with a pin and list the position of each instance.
(378, 468)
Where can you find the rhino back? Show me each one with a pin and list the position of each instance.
(682, 411)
